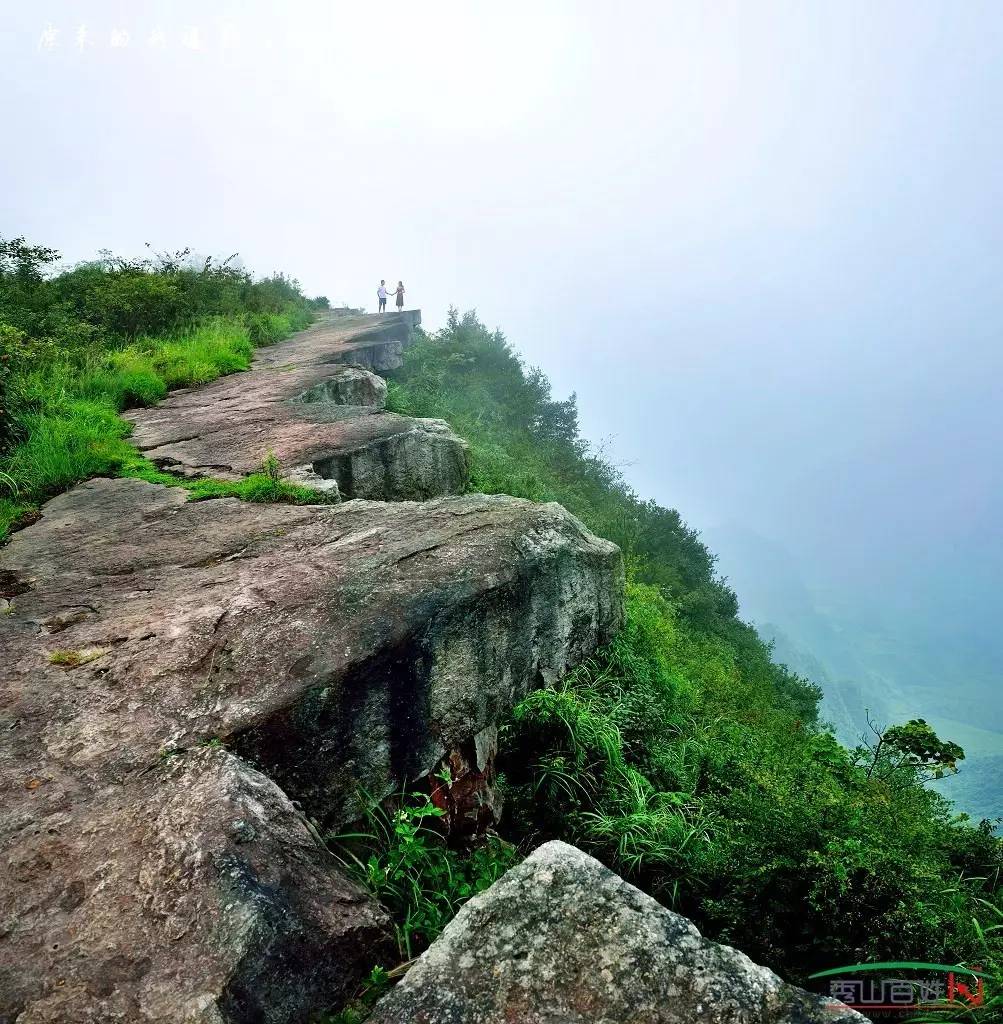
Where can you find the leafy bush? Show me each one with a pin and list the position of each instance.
(124, 301)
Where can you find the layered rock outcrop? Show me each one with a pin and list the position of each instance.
(315, 404)
(176, 673)
(560, 938)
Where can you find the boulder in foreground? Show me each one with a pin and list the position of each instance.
(560, 939)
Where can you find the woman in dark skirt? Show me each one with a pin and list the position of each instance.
(400, 295)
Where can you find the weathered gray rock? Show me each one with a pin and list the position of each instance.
(147, 874)
(560, 939)
(376, 342)
(308, 403)
(349, 385)
(422, 462)
(192, 890)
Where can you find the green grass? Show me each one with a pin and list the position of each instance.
(67, 412)
(217, 348)
(264, 486)
(73, 659)
(402, 857)
(65, 443)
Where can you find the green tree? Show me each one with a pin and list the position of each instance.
(913, 747)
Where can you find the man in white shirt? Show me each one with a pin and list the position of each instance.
(381, 294)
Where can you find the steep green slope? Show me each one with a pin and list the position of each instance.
(683, 756)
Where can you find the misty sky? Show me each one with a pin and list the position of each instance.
(760, 240)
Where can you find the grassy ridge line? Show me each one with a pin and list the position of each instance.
(79, 346)
(69, 413)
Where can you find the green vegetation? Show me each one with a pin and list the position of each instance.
(79, 347)
(360, 1006)
(404, 860)
(264, 486)
(73, 659)
(681, 755)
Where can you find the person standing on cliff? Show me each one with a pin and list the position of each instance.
(381, 294)
(400, 296)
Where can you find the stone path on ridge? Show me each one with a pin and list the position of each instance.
(315, 403)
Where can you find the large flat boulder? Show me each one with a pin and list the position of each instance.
(560, 939)
(189, 689)
(314, 403)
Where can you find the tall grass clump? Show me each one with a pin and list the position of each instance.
(217, 346)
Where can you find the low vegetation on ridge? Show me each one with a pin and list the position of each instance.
(80, 346)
